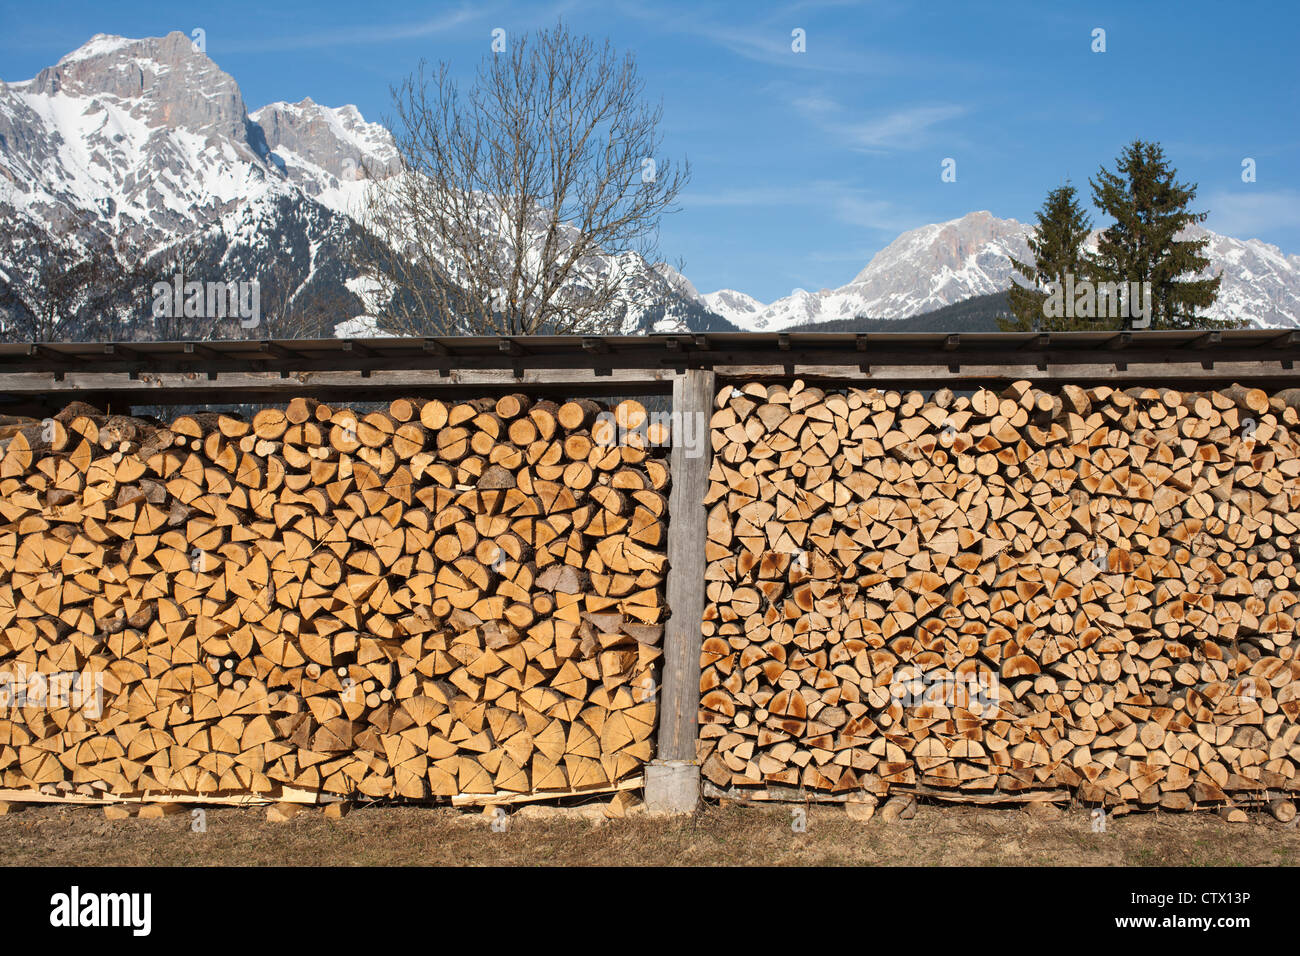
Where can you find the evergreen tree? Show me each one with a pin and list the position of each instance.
(1057, 248)
(1150, 209)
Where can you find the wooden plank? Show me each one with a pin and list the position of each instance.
(643, 369)
(792, 795)
(305, 382)
(282, 795)
(679, 699)
(504, 797)
(1145, 373)
(291, 795)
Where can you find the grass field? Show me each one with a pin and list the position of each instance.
(731, 835)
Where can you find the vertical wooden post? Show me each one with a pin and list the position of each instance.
(673, 778)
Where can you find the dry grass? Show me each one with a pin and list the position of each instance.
(731, 835)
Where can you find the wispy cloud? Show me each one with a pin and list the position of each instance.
(843, 201)
(1248, 213)
(858, 208)
(350, 36)
(905, 128)
(813, 103)
(772, 41)
(901, 129)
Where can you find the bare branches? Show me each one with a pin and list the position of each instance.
(63, 285)
(517, 197)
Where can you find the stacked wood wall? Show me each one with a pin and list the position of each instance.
(438, 599)
(998, 595)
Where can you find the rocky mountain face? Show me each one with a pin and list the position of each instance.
(149, 142)
(327, 152)
(733, 304)
(945, 263)
(148, 136)
(1261, 283)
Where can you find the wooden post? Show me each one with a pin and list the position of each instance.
(673, 779)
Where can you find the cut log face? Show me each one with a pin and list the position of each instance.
(1003, 596)
(438, 600)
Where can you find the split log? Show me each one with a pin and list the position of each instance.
(407, 604)
(1090, 593)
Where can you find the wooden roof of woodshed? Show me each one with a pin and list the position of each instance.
(245, 370)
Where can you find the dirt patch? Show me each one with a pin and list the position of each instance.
(727, 835)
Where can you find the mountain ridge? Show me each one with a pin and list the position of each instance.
(941, 264)
(150, 141)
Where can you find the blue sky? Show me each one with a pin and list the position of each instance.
(805, 164)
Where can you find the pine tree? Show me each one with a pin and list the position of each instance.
(1150, 209)
(1057, 248)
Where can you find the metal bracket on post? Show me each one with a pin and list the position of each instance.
(672, 780)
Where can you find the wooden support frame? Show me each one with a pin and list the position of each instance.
(679, 697)
(673, 777)
(605, 365)
(44, 375)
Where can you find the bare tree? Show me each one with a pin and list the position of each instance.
(289, 311)
(68, 284)
(513, 200)
(184, 260)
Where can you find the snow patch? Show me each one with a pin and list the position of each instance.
(358, 327)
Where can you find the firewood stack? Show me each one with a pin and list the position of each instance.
(1004, 595)
(437, 600)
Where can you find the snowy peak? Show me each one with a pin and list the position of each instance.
(158, 81)
(945, 263)
(922, 270)
(338, 141)
(149, 142)
(952, 245)
(680, 285)
(940, 264)
(101, 44)
(148, 137)
(1260, 282)
(732, 305)
(152, 139)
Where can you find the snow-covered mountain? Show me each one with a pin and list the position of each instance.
(146, 135)
(1261, 283)
(330, 154)
(945, 263)
(150, 142)
(733, 305)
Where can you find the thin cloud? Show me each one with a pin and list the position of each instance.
(906, 128)
(1249, 213)
(771, 43)
(901, 129)
(845, 202)
(351, 36)
(866, 212)
(815, 104)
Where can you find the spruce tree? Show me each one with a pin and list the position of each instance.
(1056, 245)
(1150, 209)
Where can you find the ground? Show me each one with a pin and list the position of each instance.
(937, 836)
